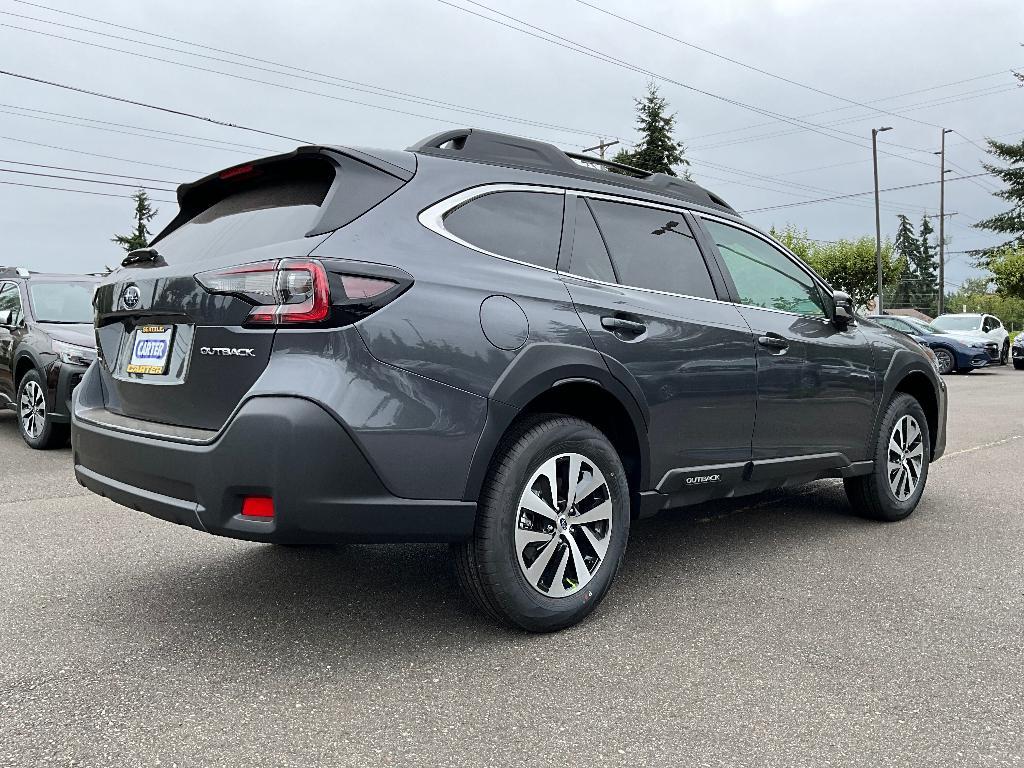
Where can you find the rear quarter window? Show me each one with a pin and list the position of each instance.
(525, 226)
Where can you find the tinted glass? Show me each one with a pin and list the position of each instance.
(589, 256)
(651, 248)
(924, 327)
(525, 226)
(765, 276)
(958, 322)
(69, 302)
(10, 299)
(270, 213)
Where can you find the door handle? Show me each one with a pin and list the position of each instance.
(773, 341)
(621, 324)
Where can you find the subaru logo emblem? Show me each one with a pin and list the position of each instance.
(131, 297)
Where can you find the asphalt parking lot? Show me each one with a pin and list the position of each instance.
(779, 630)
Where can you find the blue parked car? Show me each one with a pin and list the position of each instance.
(951, 354)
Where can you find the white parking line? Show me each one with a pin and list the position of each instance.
(993, 444)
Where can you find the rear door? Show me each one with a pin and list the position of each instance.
(815, 383)
(645, 294)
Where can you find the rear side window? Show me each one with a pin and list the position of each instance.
(589, 255)
(525, 226)
(654, 249)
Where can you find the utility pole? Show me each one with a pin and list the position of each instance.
(942, 222)
(602, 146)
(878, 218)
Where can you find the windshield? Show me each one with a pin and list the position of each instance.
(923, 326)
(69, 302)
(958, 322)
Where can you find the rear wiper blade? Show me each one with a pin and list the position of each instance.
(139, 255)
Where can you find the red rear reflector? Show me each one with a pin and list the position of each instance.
(359, 287)
(238, 170)
(258, 506)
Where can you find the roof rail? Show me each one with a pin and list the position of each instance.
(515, 151)
(13, 272)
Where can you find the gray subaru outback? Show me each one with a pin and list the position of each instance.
(486, 341)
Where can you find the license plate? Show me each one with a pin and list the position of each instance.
(151, 349)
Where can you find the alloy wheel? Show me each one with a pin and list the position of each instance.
(906, 457)
(32, 409)
(945, 360)
(563, 525)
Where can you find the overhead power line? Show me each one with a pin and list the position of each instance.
(751, 67)
(564, 42)
(90, 181)
(106, 129)
(79, 191)
(96, 154)
(303, 73)
(861, 194)
(133, 102)
(137, 127)
(82, 170)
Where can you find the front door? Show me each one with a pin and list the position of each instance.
(645, 294)
(815, 384)
(10, 302)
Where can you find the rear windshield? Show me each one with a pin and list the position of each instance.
(69, 302)
(958, 322)
(272, 212)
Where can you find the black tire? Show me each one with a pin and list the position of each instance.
(488, 566)
(1004, 356)
(871, 495)
(37, 427)
(1019, 365)
(946, 359)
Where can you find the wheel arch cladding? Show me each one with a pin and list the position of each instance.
(24, 364)
(919, 386)
(568, 380)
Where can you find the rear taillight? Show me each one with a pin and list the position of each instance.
(285, 292)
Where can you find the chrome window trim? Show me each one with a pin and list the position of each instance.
(792, 257)
(432, 217)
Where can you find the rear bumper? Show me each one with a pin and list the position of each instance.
(287, 448)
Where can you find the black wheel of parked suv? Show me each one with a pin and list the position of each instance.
(551, 527)
(902, 457)
(1004, 356)
(37, 428)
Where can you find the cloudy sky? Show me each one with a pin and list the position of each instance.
(387, 73)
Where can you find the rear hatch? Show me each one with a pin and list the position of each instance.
(171, 351)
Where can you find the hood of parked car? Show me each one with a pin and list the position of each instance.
(73, 333)
(967, 336)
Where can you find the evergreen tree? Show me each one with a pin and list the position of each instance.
(144, 213)
(908, 249)
(1011, 222)
(657, 150)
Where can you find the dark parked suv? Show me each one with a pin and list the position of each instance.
(484, 341)
(46, 343)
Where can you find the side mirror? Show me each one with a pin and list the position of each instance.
(844, 313)
(5, 317)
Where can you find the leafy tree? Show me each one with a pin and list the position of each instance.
(1007, 266)
(974, 296)
(144, 213)
(1011, 222)
(657, 150)
(848, 265)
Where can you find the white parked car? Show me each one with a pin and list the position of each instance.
(974, 325)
